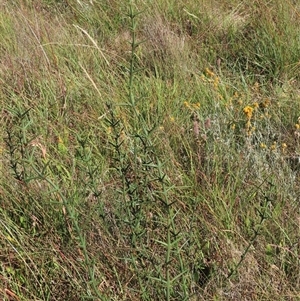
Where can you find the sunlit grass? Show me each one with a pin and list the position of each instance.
(165, 170)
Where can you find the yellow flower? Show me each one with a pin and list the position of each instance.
(196, 105)
(262, 145)
(172, 119)
(216, 82)
(273, 146)
(284, 146)
(255, 105)
(209, 72)
(248, 111)
(186, 104)
(297, 125)
(248, 125)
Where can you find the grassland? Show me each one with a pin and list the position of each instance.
(149, 150)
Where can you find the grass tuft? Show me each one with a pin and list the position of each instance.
(149, 151)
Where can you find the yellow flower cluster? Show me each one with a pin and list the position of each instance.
(263, 145)
(248, 111)
(192, 106)
(216, 82)
(212, 78)
(274, 146)
(209, 73)
(283, 146)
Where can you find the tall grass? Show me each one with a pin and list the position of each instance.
(150, 151)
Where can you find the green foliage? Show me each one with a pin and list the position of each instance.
(150, 150)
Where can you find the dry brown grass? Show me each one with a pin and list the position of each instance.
(65, 63)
